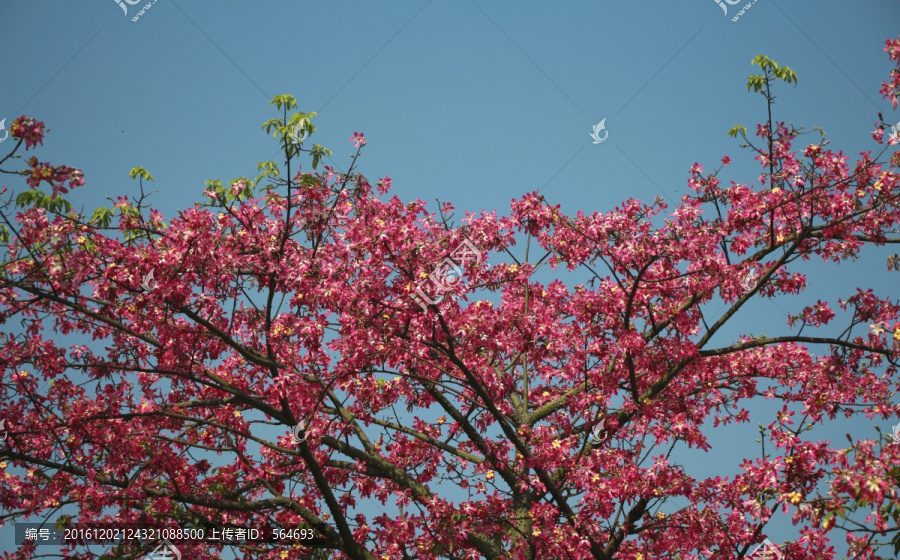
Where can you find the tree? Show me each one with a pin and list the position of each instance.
(307, 353)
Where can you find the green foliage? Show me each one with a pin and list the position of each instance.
(762, 82)
(131, 211)
(140, 172)
(307, 180)
(225, 196)
(771, 69)
(317, 153)
(102, 217)
(281, 129)
(737, 128)
(285, 101)
(215, 186)
(304, 120)
(266, 169)
(245, 192)
(40, 199)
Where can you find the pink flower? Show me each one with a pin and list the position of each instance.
(384, 185)
(55, 176)
(726, 160)
(237, 187)
(359, 139)
(30, 129)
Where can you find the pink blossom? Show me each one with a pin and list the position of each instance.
(384, 185)
(358, 139)
(29, 129)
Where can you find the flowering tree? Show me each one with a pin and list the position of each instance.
(307, 353)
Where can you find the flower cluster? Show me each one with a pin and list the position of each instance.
(29, 129)
(56, 176)
(889, 89)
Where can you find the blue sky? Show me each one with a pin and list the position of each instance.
(475, 103)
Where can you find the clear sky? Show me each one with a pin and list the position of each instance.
(473, 102)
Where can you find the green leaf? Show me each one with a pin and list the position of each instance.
(787, 75)
(304, 119)
(248, 185)
(102, 216)
(277, 124)
(285, 101)
(140, 172)
(735, 129)
(764, 62)
(756, 82)
(59, 204)
(317, 153)
(266, 169)
(32, 197)
(771, 69)
(307, 180)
